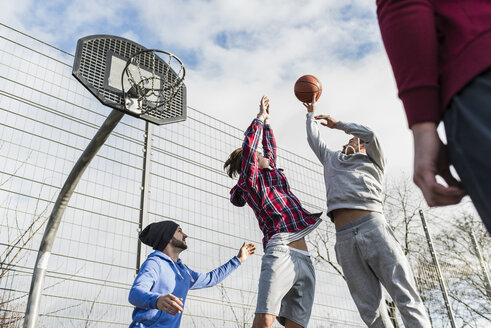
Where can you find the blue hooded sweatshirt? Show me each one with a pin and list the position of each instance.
(160, 275)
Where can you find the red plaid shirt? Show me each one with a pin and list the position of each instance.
(267, 191)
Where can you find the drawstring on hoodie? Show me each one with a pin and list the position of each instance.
(177, 269)
(179, 272)
(358, 145)
(189, 273)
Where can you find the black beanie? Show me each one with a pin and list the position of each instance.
(158, 234)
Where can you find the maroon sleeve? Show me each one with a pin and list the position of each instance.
(237, 196)
(410, 39)
(269, 145)
(249, 169)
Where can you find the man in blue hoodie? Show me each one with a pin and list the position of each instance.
(162, 284)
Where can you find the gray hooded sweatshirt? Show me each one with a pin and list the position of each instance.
(352, 181)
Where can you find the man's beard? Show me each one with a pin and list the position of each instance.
(178, 243)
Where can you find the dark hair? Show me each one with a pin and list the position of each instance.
(233, 165)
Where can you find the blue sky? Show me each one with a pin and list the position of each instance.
(237, 51)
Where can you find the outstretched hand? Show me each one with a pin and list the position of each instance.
(430, 160)
(263, 109)
(329, 121)
(245, 251)
(170, 304)
(311, 105)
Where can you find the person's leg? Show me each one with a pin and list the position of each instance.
(363, 284)
(276, 279)
(263, 320)
(296, 306)
(386, 258)
(468, 129)
(291, 324)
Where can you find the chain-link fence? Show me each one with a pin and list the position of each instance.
(47, 120)
(449, 251)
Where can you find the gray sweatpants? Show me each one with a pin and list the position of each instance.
(369, 254)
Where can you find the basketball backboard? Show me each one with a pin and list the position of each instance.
(99, 64)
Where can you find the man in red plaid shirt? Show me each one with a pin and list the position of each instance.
(287, 281)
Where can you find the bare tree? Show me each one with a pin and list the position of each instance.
(243, 313)
(12, 301)
(18, 244)
(321, 243)
(16, 249)
(462, 244)
(94, 302)
(402, 202)
(466, 283)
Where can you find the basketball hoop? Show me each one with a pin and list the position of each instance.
(129, 77)
(147, 84)
(150, 89)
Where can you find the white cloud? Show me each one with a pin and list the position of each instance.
(273, 43)
(236, 51)
(13, 13)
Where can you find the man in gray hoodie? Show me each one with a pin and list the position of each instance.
(366, 248)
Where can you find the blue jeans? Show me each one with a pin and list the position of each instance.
(468, 128)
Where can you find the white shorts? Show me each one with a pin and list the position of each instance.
(286, 285)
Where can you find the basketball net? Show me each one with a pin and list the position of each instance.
(151, 85)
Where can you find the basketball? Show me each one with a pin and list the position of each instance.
(306, 87)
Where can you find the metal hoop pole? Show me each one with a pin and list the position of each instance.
(37, 282)
(145, 190)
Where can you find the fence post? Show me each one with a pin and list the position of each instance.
(438, 271)
(481, 261)
(391, 310)
(145, 190)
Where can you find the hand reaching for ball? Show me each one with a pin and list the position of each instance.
(310, 105)
(263, 109)
(329, 121)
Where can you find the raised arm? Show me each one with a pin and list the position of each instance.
(203, 280)
(372, 145)
(249, 146)
(210, 279)
(316, 143)
(269, 145)
(269, 142)
(249, 157)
